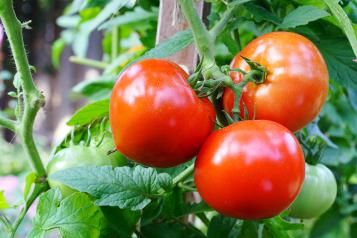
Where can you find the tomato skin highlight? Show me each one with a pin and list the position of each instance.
(317, 195)
(156, 117)
(250, 170)
(296, 86)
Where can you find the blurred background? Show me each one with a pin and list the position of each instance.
(78, 57)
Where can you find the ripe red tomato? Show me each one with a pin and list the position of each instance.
(156, 117)
(296, 86)
(250, 170)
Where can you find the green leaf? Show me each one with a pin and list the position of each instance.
(171, 230)
(3, 202)
(75, 216)
(220, 226)
(136, 16)
(30, 179)
(89, 113)
(345, 22)
(302, 16)
(121, 60)
(352, 96)
(171, 46)
(125, 187)
(96, 88)
(326, 223)
(57, 49)
(262, 14)
(80, 43)
(338, 56)
(121, 221)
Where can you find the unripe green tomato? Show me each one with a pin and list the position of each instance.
(116, 157)
(81, 155)
(317, 195)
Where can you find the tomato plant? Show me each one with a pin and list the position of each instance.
(319, 183)
(296, 85)
(157, 151)
(240, 168)
(156, 117)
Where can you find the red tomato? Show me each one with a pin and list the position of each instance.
(250, 170)
(156, 117)
(296, 86)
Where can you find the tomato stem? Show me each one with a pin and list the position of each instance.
(254, 76)
(184, 174)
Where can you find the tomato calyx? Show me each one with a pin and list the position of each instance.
(313, 148)
(256, 75)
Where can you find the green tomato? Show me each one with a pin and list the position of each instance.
(317, 195)
(106, 145)
(75, 156)
(81, 155)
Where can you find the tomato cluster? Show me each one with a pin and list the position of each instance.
(251, 169)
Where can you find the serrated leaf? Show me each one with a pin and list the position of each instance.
(89, 113)
(135, 16)
(75, 216)
(339, 59)
(345, 22)
(124, 187)
(302, 16)
(3, 202)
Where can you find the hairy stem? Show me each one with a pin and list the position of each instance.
(32, 100)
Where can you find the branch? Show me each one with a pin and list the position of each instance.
(227, 16)
(37, 190)
(7, 123)
(33, 99)
(201, 35)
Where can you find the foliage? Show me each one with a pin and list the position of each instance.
(136, 201)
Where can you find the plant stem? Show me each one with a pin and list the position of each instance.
(7, 123)
(6, 224)
(33, 99)
(184, 174)
(226, 17)
(201, 35)
(88, 62)
(115, 40)
(37, 190)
